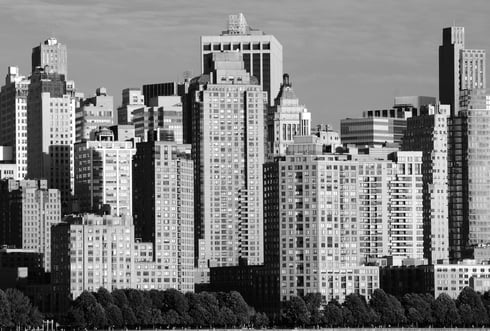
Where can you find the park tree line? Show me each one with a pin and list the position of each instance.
(132, 308)
(16, 311)
(416, 310)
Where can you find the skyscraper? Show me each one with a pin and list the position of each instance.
(52, 56)
(469, 170)
(51, 132)
(428, 132)
(94, 112)
(286, 119)
(459, 68)
(13, 118)
(228, 151)
(164, 208)
(262, 53)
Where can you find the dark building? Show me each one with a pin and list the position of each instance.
(399, 281)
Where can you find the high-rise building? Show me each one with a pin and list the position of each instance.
(285, 120)
(51, 132)
(428, 132)
(103, 169)
(228, 151)
(459, 68)
(164, 117)
(51, 56)
(164, 208)
(13, 118)
(469, 169)
(132, 99)
(262, 53)
(93, 113)
(28, 210)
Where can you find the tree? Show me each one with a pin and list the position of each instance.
(313, 303)
(120, 298)
(20, 307)
(361, 313)
(104, 297)
(418, 308)
(445, 311)
(75, 318)
(197, 312)
(114, 316)
(295, 312)
(129, 317)
(387, 307)
(35, 318)
(141, 305)
(87, 303)
(5, 315)
(332, 314)
(471, 308)
(100, 319)
(260, 320)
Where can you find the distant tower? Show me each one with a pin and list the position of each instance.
(53, 54)
(459, 68)
(93, 113)
(262, 54)
(288, 118)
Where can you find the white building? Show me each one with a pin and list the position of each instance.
(132, 99)
(103, 174)
(13, 118)
(285, 120)
(228, 151)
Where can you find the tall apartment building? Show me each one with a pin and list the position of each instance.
(164, 116)
(228, 151)
(262, 53)
(132, 99)
(51, 56)
(163, 183)
(103, 169)
(469, 168)
(13, 118)
(459, 68)
(51, 132)
(92, 113)
(286, 119)
(428, 132)
(28, 210)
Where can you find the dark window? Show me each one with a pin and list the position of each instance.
(246, 46)
(256, 66)
(236, 46)
(216, 47)
(227, 47)
(256, 46)
(266, 46)
(206, 47)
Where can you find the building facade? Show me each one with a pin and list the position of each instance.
(28, 210)
(164, 208)
(13, 118)
(286, 119)
(103, 174)
(164, 117)
(93, 113)
(51, 55)
(459, 68)
(132, 99)
(228, 150)
(262, 53)
(428, 132)
(51, 132)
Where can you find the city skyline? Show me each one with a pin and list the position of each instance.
(380, 46)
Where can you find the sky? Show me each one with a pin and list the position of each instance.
(343, 56)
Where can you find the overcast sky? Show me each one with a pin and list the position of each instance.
(343, 56)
